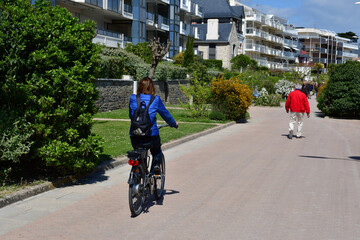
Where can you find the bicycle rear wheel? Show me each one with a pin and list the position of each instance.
(160, 180)
(137, 191)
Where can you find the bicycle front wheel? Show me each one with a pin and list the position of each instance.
(137, 191)
(160, 180)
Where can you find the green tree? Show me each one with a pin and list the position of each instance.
(317, 67)
(48, 65)
(341, 96)
(189, 52)
(142, 50)
(241, 62)
(350, 35)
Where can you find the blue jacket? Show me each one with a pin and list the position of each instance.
(157, 106)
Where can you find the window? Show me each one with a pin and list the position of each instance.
(212, 51)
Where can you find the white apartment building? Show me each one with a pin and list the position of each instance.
(269, 39)
(324, 46)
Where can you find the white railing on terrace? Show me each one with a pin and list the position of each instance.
(290, 43)
(109, 39)
(198, 11)
(150, 18)
(185, 5)
(184, 28)
(350, 55)
(163, 22)
(249, 46)
(196, 32)
(351, 45)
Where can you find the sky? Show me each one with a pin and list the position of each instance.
(339, 16)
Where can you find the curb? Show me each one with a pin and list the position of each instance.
(116, 162)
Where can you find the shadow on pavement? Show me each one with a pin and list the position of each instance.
(351, 158)
(319, 114)
(151, 201)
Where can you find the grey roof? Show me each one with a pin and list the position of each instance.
(219, 9)
(224, 32)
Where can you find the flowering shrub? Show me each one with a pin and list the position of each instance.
(266, 99)
(231, 97)
(283, 87)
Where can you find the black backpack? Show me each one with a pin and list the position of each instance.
(141, 124)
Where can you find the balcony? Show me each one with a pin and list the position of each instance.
(150, 18)
(166, 1)
(185, 5)
(198, 11)
(354, 46)
(196, 32)
(184, 29)
(128, 9)
(163, 23)
(98, 3)
(109, 39)
(350, 55)
(114, 5)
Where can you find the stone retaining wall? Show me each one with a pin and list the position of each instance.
(115, 93)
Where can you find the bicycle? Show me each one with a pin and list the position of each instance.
(142, 180)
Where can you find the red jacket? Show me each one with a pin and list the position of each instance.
(297, 102)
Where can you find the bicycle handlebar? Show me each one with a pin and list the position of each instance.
(163, 125)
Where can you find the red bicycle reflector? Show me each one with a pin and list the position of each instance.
(133, 162)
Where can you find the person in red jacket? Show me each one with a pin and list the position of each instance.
(298, 104)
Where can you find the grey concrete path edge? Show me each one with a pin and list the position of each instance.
(32, 191)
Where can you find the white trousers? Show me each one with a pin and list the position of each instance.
(296, 117)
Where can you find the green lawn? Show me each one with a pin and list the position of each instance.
(180, 115)
(117, 140)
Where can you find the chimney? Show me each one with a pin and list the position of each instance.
(212, 29)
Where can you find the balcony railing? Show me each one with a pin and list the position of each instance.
(185, 5)
(128, 8)
(163, 22)
(98, 3)
(199, 11)
(114, 5)
(109, 39)
(150, 18)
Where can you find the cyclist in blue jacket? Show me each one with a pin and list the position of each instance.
(146, 89)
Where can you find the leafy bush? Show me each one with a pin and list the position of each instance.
(141, 50)
(163, 72)
(111, 67)
(215, 115)
(179, 58)
(341, 96)
(284, 87)
(231, 96)
(47, 75)
(266, 99)
(130, 60)
(269, 86)
(214, 63)
(15, 134)
(199, 72)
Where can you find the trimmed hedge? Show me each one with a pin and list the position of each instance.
(341, 96)
(214, 63)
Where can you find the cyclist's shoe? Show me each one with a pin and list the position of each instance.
(157, 170)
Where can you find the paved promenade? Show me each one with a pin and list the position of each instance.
(246, 181)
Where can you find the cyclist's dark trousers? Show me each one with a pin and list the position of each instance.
(156, 144)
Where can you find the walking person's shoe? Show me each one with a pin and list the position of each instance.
(290, 134)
